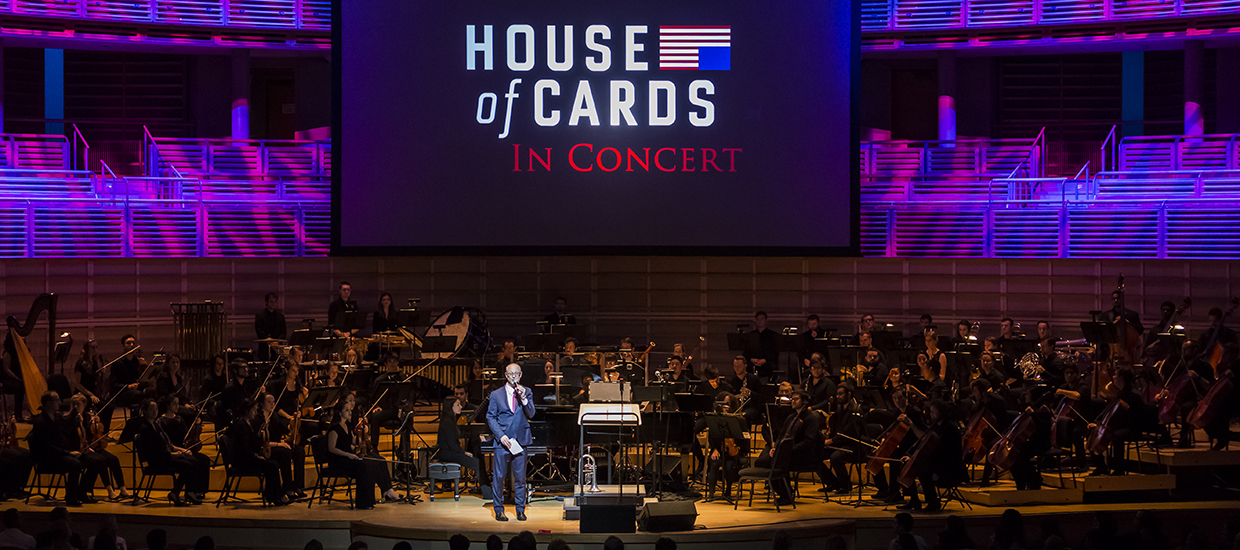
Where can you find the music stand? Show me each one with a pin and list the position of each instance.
(646, 394)
(346, 321)
(741, 341)
(1098, 333)
(328, 345)
(874, 397)
(321, 398)
(439, 344)
(412, 318)
(886, 339)
(545, 343)
(843, 357)
(301, 338)
(571, 330)
(693, 402)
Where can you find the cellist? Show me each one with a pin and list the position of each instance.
(889, 491)
(944, 467)
(1132, 417)
(983, 399)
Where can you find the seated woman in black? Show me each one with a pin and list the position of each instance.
(108, 466)
(368, 472)
(191, 471)
(450, 449)
(249, 447)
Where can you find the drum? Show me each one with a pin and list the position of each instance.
(468, 326)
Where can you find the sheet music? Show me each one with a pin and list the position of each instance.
(514, 447)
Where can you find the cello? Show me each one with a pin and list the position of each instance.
(975, 435)
(1213, 402)
(1213, 351)
(1005, 452)
(919, 458)
(1104, 430)
(891, 441)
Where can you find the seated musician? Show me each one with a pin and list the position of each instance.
(983, 398)
(804, 427)
(944, 467)
(331, 378)
(94, 454)
(1072, 426)
(990, 370)
(931, 373)
(866, 326)
(87, 373)
(749, 388)
(712, 383)
(380, 416)
(678, 375)
(289, 394)
(191, 471)
(507, 354)
(570, 357)
(560, 315)
(56, 452)
(237, 390)
(367, 472)
(844, 429)
(450, 449)
(964, 333)
(1025, 471)
(820, 388)
(477, 380)
(1133, 417)
(15, 465)
(724, 460)
(678, 350)
(629, 363)
(583, 396)
(1201, 376)
(213, 385)
(171, 381)
(251, 449)
(123, 377)
(289, 456)
(888, 490)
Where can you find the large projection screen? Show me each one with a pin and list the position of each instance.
(570, 127)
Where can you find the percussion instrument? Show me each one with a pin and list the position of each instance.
(468, 326)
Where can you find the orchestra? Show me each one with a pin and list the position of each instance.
(901, 420)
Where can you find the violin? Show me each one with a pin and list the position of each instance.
(98, 434)
(264, 435)
(361, 433)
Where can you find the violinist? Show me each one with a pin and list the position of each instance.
(712, 384)
(804, 428)
(192, 471)
(1131, 418)
(56, 452)
(251, 449)
(171, 381)
(726, 450)
(213, 385)
(289, 395)
(289, 455)
(944, 467)
(820, 388)
(80, 424)
(123, 377)
(86, 376)
(844, 427)
(367, 472)
(749, 388)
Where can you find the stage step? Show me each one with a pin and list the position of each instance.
(1108, 484)
(1004, 493)
(608, 494)
(1198, 456)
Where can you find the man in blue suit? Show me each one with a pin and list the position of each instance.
(509, 415)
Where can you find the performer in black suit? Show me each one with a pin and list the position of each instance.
(57, 453)
(269, 323)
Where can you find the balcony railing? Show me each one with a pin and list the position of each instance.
(259, 14)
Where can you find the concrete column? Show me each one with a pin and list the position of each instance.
(947, 95)
(1228, 86)
(54, 90)
(240, 94)
(1194, 83)
(1132, 94)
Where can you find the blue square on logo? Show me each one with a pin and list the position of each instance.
(715, 58)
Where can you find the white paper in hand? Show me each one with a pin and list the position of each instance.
(514, 447)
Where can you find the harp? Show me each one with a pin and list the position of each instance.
(33, 378)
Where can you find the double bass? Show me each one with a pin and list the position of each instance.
(1213, 351)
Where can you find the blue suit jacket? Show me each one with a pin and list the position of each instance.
(505, 421)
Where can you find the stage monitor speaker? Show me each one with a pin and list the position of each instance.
(657, 517)
(607, 518)
(662, 464)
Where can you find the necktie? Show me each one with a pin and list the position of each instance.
(514, 400)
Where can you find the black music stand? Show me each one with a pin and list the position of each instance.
(302, 338)
(321, 398)
(569, 330)
(886, 339)
(843, 357)
(741, 341)
(346, 321)
(439, 344)
(413, 318)
(646, 394)
(546, 343)
(328, 345)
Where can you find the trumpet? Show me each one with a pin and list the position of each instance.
(589, 470)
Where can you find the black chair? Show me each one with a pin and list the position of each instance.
(49, 491)
(781, 457)
(234, 473)
(328, 480)
(146, 483)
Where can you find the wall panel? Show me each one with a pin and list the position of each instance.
(664, 299)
